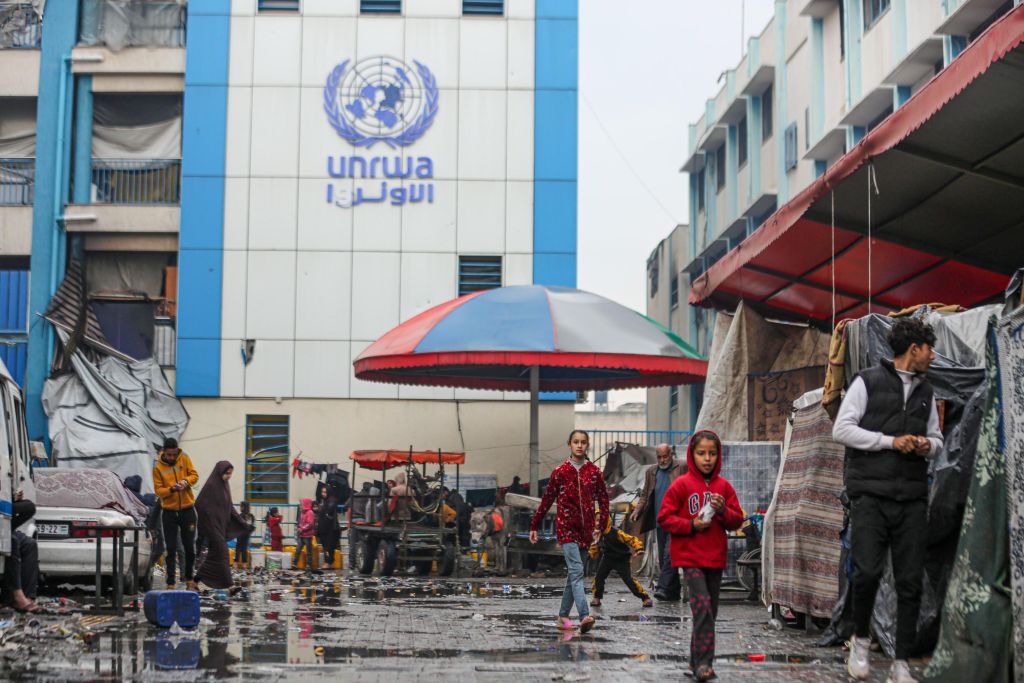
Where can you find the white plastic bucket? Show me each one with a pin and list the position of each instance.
(258, 558)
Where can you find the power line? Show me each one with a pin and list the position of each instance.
(625, 159)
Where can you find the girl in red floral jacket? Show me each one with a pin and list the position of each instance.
(575, 485)
(699, 507)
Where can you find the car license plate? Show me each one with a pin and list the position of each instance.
(52, 529)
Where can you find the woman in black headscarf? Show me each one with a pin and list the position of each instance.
(218, 523)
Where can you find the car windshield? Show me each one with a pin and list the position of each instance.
(92, 489)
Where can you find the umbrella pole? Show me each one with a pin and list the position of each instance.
(534, 430)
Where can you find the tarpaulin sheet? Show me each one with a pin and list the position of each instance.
(111, 415)
(133, 23)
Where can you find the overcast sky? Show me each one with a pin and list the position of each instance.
(646, 70)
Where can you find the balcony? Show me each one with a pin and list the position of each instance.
(20, 26)
(17, 182)
(137, 23)
(136, 181)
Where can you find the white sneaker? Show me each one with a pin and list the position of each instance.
(900, 673)
(858, 664)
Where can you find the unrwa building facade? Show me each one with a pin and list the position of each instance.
(344, 165)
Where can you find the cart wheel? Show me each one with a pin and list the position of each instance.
(353, 549)
(366, 556)
(387, 557)
(446, 565)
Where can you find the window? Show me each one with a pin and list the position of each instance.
(477, 273)
(873, 11)
(741, 140)
(493, 7)
(673, 292)
(290, 5)
(842, 30)
(700, 189)
(652, 271)
(766, 115)
(807, 128)
(791, 146)
(720, 168)
(673, 397)
(380, 6)
(266, 458)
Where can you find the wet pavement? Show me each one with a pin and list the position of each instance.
(337, 626)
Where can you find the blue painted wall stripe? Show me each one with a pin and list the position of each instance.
(13, 314)
(555, 152)
(54, 108)
(82, 176)
(201, 236)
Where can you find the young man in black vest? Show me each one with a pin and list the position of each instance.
(890, 427)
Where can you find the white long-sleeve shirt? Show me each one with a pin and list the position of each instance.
(848, 432)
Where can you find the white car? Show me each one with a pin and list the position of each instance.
(68, 502)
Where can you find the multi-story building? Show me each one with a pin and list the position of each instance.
(818, 78)
(279, 182)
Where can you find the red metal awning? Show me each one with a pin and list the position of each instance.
(946, 222)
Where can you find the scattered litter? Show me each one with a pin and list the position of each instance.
(572, 676)
(478, 617)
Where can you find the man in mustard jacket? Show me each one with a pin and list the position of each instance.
(174, 475)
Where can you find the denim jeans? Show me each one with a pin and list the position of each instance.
(573, 583)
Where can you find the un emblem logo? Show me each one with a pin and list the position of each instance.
(380, 99)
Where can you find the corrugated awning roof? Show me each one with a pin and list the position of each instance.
(66, 308)
(947, 221)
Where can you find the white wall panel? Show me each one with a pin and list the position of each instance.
(483, 55)
(481, 211)
(322, 369)
(270, 373)
(519, 9)
(240, 57)
(277, 53)
(433, 8)
(520, 54)
(236, 213)
(479, 395)
(518, 269)
(326, 42)
(318, 139)
(519, 216)
(323, 225)
(232, 370)
(520, 135)
(320, 8)
(380, 36)
(272, 213)
(376, 226)
(270, 304)
(435, 43)
(323, 296)
(427, 280)
(243, 7)
(233, 294)
(239, 131)
(361, 389)
(431, 227)
(376, 283)
(482, 134)
(441, 141)
(275, 131)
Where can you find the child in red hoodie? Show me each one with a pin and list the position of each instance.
(699, 507)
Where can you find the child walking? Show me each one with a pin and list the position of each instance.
(699, 507)
(577, 484)
(616, 547)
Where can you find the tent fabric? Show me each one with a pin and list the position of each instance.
(381, 460)
(111, 415)
(746, 343)
(944, 221)
(1011, 368)
(160, 140)
(18, 128)
(118, 24)
(489, 339)
(807, 518)
(975, 639)
(91, 489)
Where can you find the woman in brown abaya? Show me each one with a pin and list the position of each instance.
(218, 523)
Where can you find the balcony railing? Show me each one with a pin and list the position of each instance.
(20, 26)
(136, 181)
(136, 23)
(17, 181)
